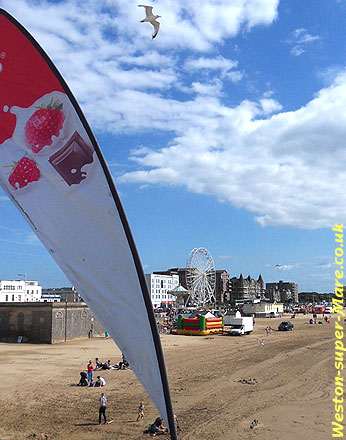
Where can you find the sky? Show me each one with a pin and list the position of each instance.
(227, 131)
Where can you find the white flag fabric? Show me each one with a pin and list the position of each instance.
(53, 170)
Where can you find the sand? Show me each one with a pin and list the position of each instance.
(219, 385)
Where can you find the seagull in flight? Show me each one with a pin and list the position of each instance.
(150, 18)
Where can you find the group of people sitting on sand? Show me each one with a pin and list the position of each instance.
(122, 365)
(83, 381)
(86, 378)
(102, 365)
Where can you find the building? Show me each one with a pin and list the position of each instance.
(67, 294)
(20, 291)
(180, 271)
(263, 309)
(222, 286)
(46, 322)
(158, 286)
(244, 289)
(50, 297)
(286, 292)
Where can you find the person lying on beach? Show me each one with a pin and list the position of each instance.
(106, 365)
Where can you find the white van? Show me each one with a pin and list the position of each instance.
(239, 325)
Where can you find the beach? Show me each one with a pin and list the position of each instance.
(219, 386)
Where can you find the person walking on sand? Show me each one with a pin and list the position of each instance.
(140, 411)
(176, 422)
(102, 409)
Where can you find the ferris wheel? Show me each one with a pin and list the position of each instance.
(200, 277)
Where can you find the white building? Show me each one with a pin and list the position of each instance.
(50, 297)
(158, 286)
(20, 291)
(263, 309)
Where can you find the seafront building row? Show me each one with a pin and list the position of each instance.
(164, 288)
(30, 313)
(228, 289)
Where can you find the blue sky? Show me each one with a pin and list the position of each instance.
(228, 131)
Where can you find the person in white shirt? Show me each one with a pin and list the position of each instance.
(100, 381)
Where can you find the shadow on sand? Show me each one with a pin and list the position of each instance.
(86, 424)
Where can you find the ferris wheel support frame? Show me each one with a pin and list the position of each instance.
(200, 277)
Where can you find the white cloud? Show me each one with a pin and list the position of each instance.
(211, 88)
(286, 267)
(300, 39)
(270, 106)
(220, 63)
(297, 51)
(326, 266)
(22, 239)
(328, 75)
(285, 168)
(198, 23)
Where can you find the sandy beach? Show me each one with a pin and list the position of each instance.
(219, 385)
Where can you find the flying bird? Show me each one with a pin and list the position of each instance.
(150, 18)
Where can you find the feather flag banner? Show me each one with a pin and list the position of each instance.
(53, 170)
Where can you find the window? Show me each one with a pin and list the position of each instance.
(6, 297)
(12, 297)
(19, 297)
